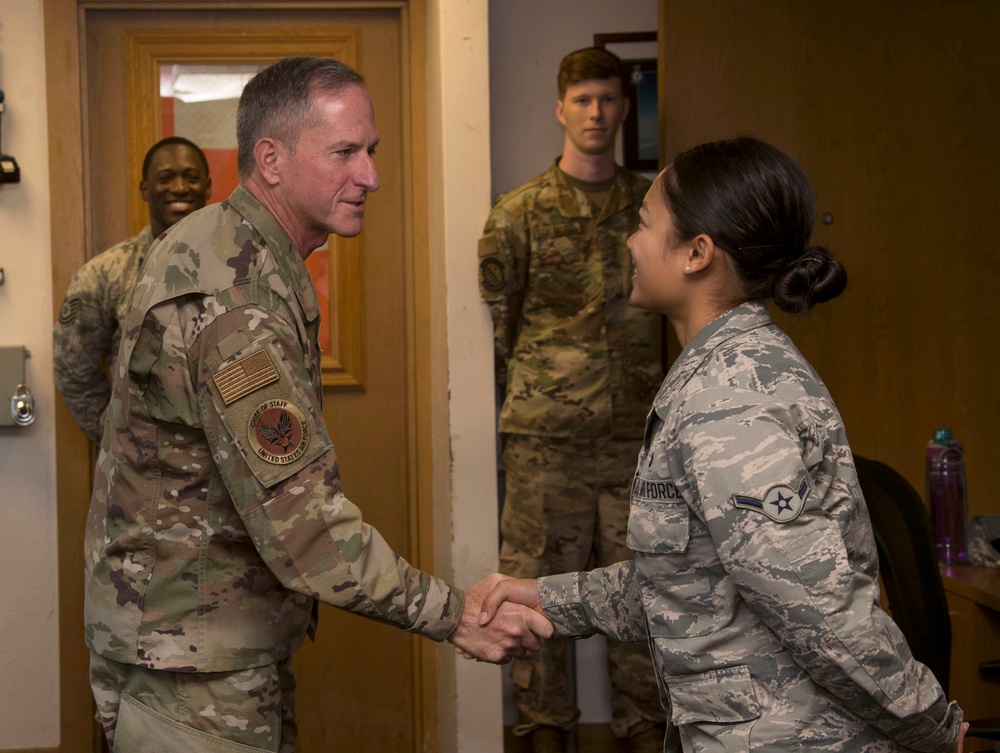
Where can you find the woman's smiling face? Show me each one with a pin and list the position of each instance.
(656, 257)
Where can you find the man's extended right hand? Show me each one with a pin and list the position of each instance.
(510, 631)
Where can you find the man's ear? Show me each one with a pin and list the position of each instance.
(560, 113)
(144, 190)
(268, 153)
(208, 189)
(628, 104)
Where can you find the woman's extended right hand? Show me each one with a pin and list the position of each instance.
(961, 736)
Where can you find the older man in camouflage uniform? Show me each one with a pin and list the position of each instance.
(175, 183)
(755, 574)
(218, 517)
(577, 368)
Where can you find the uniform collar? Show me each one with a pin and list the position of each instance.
(572, 203)
(143, 241)
(732, 323)
(145, 237)
(281, 247)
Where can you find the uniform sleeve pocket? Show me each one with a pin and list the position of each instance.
(494, 277)
(819, 560)
(268, 414)
(657, 526)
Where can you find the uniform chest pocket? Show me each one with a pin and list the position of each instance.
(658, 526)
(562, 266)
(679, 591)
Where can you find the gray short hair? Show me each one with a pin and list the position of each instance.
(277, 101)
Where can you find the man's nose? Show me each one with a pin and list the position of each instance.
(367, 176)
(178, 185)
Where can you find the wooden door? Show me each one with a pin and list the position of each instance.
(891, 108)
(360, 683)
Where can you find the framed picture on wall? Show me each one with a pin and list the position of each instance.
(641, 129)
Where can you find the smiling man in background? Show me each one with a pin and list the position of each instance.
(175, 182)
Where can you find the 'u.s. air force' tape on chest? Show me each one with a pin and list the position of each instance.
(781, 503)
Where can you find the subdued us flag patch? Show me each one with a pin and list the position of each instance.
(248, 374)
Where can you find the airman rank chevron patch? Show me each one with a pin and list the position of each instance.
(248, 374)
(781, 504)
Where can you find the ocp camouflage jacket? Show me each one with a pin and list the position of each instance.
(218, 515)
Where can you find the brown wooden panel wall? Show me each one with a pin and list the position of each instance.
(892, 108)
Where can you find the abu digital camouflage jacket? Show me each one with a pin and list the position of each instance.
(755, 571)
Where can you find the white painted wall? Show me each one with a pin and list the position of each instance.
(29, 646)
(528, 39)
(466, 519)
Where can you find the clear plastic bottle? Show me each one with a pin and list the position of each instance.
(946, 497)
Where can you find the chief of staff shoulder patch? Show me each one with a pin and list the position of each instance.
(278, 432)
(781, 504)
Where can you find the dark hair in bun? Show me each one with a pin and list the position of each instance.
(756, 203)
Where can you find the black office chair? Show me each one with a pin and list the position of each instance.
(910, 575)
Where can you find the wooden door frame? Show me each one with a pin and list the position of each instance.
(64, 27)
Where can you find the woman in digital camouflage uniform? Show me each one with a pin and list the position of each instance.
(755, 575)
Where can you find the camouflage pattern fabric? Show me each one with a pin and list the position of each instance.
(87, 333)
(149, 711)
(983, 530)
(567, 500)
(218, 515)
(573, 358)
(755, 573)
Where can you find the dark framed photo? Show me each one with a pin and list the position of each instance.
(641, 129)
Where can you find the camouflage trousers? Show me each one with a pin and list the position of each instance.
(566, 509)
(154, 711)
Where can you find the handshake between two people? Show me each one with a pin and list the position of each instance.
(502, 620)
